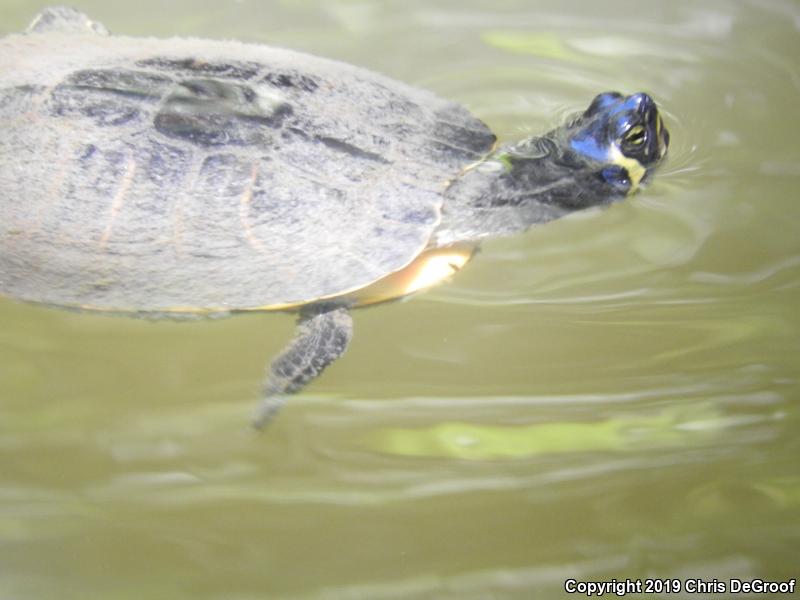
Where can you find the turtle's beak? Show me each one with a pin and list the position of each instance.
(657, 138)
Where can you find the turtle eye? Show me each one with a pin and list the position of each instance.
(635, 136)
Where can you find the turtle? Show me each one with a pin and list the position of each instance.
(199, 178)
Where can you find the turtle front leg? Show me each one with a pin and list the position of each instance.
(323, 334)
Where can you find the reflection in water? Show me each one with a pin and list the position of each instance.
(613, 395)
(623, 433)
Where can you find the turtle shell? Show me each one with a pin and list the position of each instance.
(193, 175)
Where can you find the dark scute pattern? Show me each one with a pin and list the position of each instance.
(292, 79)
(458, 135)
(202, 91)
(136, 84)
(205, 130)
(354, 151)
(102, 112)
(107, 97)
(419, 217)
(101, 171)
(223, 172)
(165, 165)
(87, 153)
(469, 140)
(208, 112)
(241, 71)
(95, 177)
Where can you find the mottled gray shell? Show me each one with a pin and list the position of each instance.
(183, 174)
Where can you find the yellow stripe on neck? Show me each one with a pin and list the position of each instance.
(636, 171)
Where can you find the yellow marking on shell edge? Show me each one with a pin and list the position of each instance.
(428, 269)
(244, 206)
(431, 267)
(634, 168)
(119, 199)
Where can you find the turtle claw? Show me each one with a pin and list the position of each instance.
(266, 411)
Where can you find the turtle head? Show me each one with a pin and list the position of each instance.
(622, 139)
(602, 155)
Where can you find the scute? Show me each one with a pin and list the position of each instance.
(210, 112)
(191, 67)
(182, 175)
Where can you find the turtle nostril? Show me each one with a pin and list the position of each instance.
(645, 104)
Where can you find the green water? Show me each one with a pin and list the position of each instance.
(610, 396)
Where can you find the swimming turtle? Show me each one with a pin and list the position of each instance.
(194, 177)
